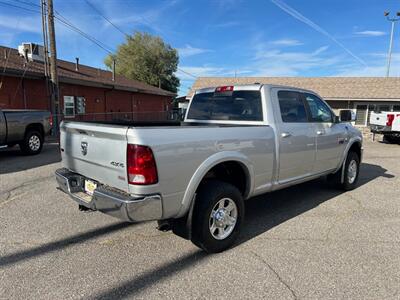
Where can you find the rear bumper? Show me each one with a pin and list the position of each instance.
(110, 201)
(380, 129)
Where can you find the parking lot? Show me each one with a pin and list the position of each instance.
(309, 241)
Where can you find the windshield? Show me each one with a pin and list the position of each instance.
(233, 106)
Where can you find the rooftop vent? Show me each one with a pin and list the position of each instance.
(31, 51)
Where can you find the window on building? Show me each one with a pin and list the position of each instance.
(69, 106)
(381, 107)
(292, 107)
(320, 111)
(80, 105)
(396, 108)
(361, 114)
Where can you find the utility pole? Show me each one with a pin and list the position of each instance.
(53, 66)
(45, 39)
(393, 21)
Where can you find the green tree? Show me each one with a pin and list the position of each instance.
(148, 59)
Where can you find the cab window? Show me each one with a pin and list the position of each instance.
(319, 110)
(292, 107)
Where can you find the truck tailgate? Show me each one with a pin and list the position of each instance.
(378, 119)
(96, 151)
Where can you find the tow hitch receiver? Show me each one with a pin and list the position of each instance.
(85, 209)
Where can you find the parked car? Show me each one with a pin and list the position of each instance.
(386, 123)
(27, 128)
(236, 142)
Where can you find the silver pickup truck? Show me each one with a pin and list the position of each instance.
(27, 128)
(236, 142)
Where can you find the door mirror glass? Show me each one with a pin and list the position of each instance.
(347, 115)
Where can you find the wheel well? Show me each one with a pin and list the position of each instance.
(356, 147)
(232, 172)
(35, 126)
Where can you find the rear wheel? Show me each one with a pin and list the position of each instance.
(391, 139)
(32, 143)
(217, 217)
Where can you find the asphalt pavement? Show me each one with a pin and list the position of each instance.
(306, 242)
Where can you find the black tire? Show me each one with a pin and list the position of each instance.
(388, 139)
(349, 182)
(209, 194)
(32, 143)
(391, 139)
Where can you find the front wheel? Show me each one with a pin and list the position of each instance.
(217, 217)
(32, 143)
(350, 173)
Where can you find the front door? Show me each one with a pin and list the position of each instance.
(296, 137)
(330, 135)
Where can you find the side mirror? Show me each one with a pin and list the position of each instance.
(347, 115)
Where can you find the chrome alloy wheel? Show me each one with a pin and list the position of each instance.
(34, 143)
(223, 218)
(352, 171)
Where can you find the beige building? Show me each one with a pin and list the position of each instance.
(363, 94)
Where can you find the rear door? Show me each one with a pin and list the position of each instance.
(296, 136)
(97, 151)
(331, 136)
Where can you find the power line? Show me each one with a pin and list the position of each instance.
(28, 3)
(65, 22)
(21, 79)
(125, 34)
(105, 18)
(69, 24)
(187, 73)
(100, 44)
(20, 7)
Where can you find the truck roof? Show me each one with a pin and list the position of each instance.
(251, 87)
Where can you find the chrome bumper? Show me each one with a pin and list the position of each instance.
(110, 201)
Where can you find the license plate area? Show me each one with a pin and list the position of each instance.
(89, 187)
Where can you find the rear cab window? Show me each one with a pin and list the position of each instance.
(226, 105)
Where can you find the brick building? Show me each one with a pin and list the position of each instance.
(86, 93)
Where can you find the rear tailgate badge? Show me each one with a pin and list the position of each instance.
(84, 146)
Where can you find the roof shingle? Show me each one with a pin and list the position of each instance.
(345, 88)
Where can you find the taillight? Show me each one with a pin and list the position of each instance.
(141, 164)
(389, 119)
(51, 120)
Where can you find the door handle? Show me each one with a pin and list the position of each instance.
(286, 134)
(320, 132)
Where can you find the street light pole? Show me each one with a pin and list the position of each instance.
(393, 21)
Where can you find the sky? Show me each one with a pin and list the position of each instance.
(225, 37)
